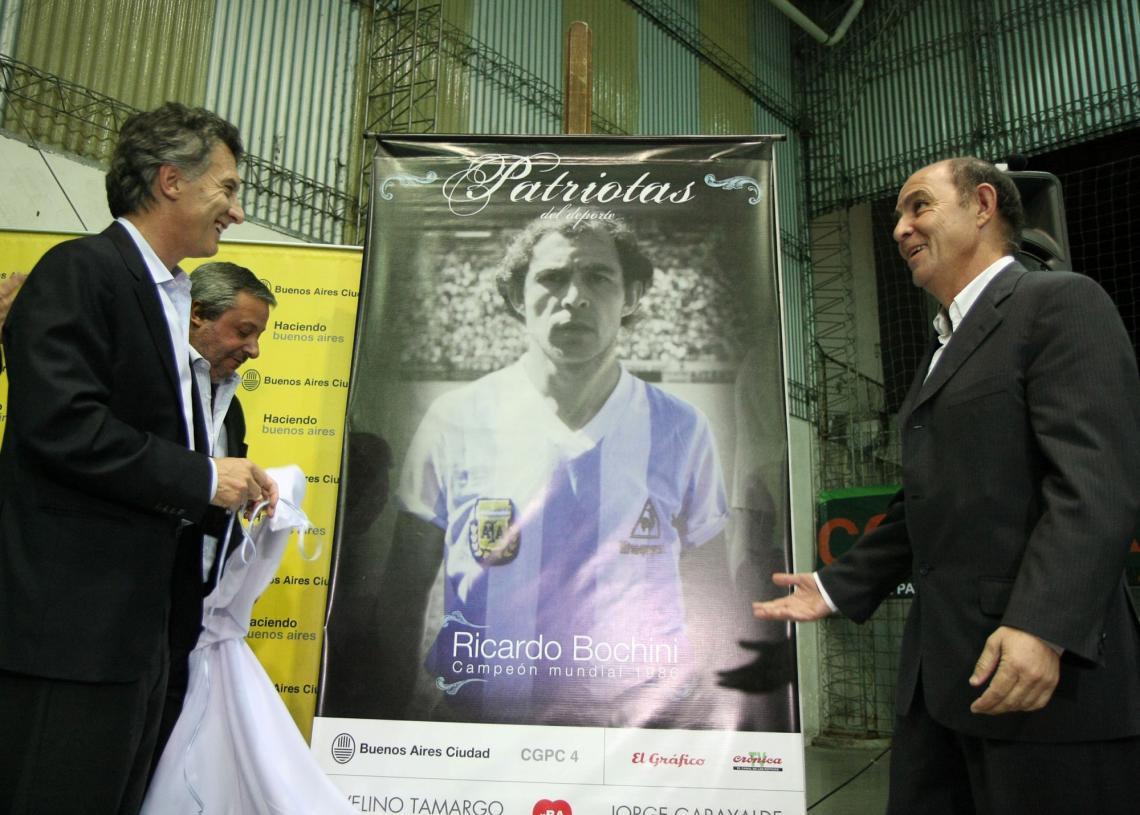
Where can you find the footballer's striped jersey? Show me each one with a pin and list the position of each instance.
(561, 565)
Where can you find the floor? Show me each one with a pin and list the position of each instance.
(847, 779)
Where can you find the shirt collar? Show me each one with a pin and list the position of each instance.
(200, 363)
(948, 319)
(158, 271)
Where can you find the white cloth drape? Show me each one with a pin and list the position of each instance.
(235, 750)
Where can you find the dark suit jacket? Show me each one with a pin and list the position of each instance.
(1021, 492)
(95, 473)
(189, 587)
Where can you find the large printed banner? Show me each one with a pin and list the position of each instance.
(565, 480)
(294, 397)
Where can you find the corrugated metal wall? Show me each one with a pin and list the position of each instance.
(669, 79)
(531, 35)
(771, 56)
(919, 90)
(9, 25)
(992, 78)
(285, 73)
(1087, 56)
(937, 77)
(614, 41)
(453, 90)
(139, 52)
(725, 107)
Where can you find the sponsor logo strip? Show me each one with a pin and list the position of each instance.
(724, 760)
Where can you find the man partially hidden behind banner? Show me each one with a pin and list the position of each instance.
(229, 310)
(101, 469)
(561, 492)
(1019, 685)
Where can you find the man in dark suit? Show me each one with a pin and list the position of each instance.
(1019, 683)
(229, 311)
(101, 468)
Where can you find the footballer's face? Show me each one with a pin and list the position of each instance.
(574, 297)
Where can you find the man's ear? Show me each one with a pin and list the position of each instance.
(196, 318)
(168, 182)
(987, 198)
(633, 294)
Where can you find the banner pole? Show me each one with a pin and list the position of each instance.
(579, 80)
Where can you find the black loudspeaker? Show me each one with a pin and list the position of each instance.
(1045, 238)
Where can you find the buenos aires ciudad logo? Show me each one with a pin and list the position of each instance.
(343, 748)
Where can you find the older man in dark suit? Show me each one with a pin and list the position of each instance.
(229, 311)
(102, 465)
(1019, 684)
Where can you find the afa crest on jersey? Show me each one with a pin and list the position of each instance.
(493, 539)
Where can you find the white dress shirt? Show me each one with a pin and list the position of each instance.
(947, 320)
(215, 403)
(174, 292)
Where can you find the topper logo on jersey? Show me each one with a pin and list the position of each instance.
(646, 528)
(492, 538)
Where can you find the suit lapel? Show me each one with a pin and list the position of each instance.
(984, 316)
(235, 428)
(202, 440)
(151, 306)
(912, 394)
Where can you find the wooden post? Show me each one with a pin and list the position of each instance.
(579, 80)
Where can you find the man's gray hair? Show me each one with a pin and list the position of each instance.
(172, 134)
(215, 286)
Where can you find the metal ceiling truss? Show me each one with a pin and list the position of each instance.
(403, 67)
